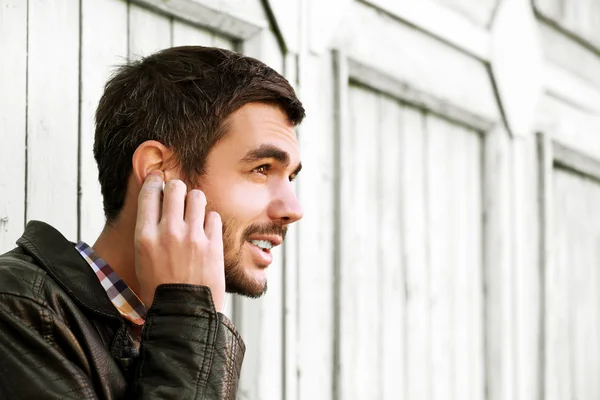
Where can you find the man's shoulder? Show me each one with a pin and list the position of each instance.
(20, 275)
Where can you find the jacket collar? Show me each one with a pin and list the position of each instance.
(62, 261)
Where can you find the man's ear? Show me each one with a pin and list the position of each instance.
(151, 156)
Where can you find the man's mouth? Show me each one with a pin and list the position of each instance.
(264, 245)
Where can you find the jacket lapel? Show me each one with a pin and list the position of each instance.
(62, 261)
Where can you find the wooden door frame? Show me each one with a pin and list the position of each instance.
(553, 154)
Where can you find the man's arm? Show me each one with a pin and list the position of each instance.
(188, 351)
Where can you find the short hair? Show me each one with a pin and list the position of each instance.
(182, 98)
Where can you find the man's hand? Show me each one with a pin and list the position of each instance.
(183, 245)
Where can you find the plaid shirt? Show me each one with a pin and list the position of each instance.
(123, 298)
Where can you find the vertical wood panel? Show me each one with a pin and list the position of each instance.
(414, 217)
(13, 74)
(261, 321)
(148, 32)
(392, 315)
(469, 377)
(103, 46)
(572, 291)
(359, 259)
(558, 374)
(317, 230)
(442, 247)
(224, 43)
(53, 106)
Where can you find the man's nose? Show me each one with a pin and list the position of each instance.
(286, 207)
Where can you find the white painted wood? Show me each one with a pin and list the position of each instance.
(441, 205)
(287, 16)
(574, 90)
(188, 35)
(317, 230)
(414, 228)
(498, 260)
(148, 32)
(578, 17)
(441, 22)
(516, 62)
(291, 285)
(222, 42)
(241, 19)
(13, 75)
(360, 263)
(323, 19)
(404, 91)
(571, 159)
(526, 266)
(479, 12)
(392, 316)
(261, 321)
(395, 41)
(469, 375)
(567, 53)
(103, 46)
(53, 106)
(569, 125)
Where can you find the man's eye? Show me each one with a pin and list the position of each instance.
(263, 169)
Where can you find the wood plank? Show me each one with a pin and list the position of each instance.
(103, 45)
(13, 81)
(52, 119)
(406, 92)
(240, 19)
(574, 312)
(148, 32)
(185, 35)
(577, 18)
(393, 308)
(414, 228)
(382, 41)
(222, 42)
(527, 279)
(317, 185)
(469, 368)
(360, 274)
(562, 50)
(442, 245)
(479, 12)
(574, 160)
(498, 253)
(442, 23)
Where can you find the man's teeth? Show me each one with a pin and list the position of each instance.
(263, 244)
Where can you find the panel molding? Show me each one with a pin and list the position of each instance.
(215, 16)
(574, 160)
(406, 92)
(440, 22)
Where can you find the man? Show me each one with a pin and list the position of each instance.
(137, 315)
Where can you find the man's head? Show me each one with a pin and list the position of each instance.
(221, 122)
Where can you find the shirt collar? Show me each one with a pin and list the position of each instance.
(121, 295)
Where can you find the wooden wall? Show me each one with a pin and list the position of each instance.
(442, 255)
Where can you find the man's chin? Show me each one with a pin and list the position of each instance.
(246, 285)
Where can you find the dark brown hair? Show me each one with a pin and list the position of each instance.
(181, 97)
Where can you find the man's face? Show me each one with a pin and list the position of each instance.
(248, 182)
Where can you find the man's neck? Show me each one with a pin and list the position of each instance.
(115, 246)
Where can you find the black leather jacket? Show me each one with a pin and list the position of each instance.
(62, 338)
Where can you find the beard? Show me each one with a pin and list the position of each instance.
(237, 279)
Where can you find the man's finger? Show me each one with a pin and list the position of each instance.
(195, 208)
(213, 227)
(149, 200)
(174, 201)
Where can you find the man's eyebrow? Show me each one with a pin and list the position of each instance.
(267, 151)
